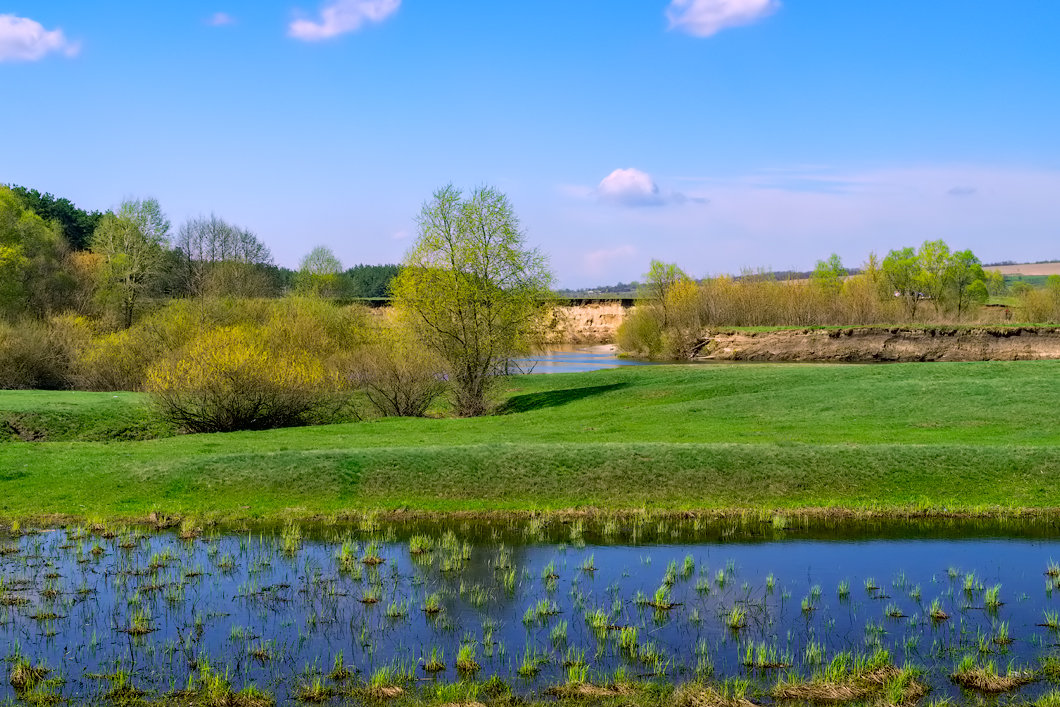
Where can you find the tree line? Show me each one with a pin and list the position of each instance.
(215, 353)
(56, 257)
(931, 283)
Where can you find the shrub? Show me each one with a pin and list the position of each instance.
(640, 333)
(1040, 305)
(317, 327)
(120, 361)
(41, 355)
(233, 378)
(400, 378)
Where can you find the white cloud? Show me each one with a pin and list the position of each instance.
(342, 16)
(632, 187)
(703, 18)
(790, 217)
(23, 39)
(399, 235)
(220, 19)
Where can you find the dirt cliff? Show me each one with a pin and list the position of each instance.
(593, 323)
(869, 344)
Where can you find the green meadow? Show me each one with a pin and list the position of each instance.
(934, 438)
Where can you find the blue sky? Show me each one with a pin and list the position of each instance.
(719, 134)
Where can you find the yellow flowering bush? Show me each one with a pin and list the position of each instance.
(121, 360)
(234, 378)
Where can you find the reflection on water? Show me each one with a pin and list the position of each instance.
(278, 610)
(576, 359)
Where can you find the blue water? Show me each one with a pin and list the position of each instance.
(221, 598)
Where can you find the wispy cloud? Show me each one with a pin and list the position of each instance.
(342, 16)
(632, 187)
(220, 19)
(790, 217)
(704, 18)
(23, 39)
(598, 261)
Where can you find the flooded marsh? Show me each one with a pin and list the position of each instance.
(761, 611)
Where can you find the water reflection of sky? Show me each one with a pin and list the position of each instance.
(576, 359)
(239, 592)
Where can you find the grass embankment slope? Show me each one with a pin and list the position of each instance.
(945, 436)
(46, 416)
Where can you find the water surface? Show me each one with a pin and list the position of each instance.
(277, 608)
(575, 358)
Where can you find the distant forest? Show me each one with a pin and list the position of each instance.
(78, 225)
(629, 289)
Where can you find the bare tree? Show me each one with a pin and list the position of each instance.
(219, 259)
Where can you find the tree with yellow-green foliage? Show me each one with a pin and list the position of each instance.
(951, 281)
(660, 280)
(472, 290)
(828, 274)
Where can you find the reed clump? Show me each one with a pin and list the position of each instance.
(985, 677)
(847, 678)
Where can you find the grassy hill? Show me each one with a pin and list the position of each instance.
(960, 436)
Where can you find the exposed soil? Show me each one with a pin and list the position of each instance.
(877, 344)
(594, 323)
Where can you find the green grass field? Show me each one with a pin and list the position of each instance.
(934, 437)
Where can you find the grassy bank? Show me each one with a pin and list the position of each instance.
(49, 416)
(962, 436)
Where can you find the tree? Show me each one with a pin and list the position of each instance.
(370, 280)
(967, 280)
(77, 224)
(320, 273)
(472, 289)
(900, 273)
(221, 260)
(32, 254)
(828, 274)
(995, 282)
(933, 280)
(660, 280)
(131, 244)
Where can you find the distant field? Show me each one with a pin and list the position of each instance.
(1032, 280)
(1027, 269)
